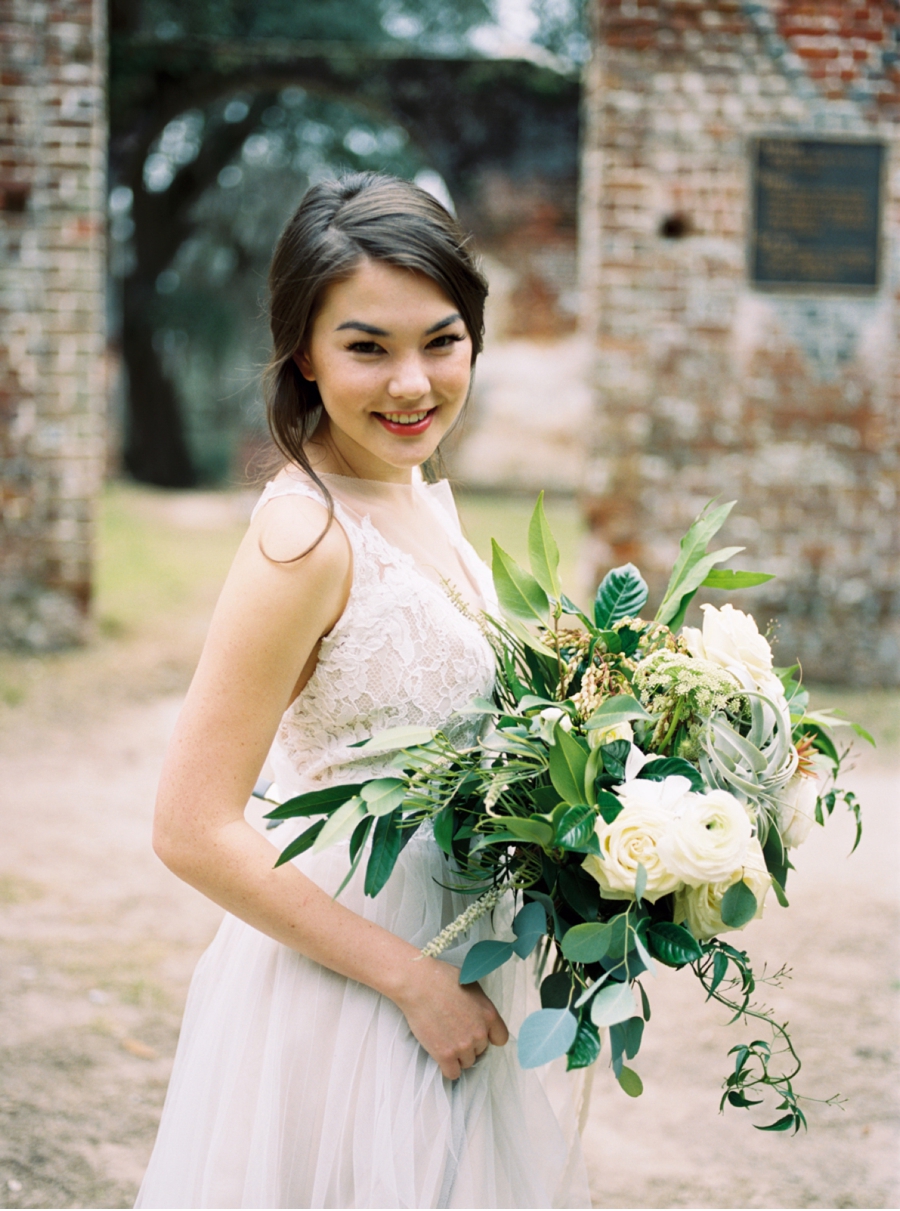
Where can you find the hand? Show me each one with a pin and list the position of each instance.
(454, 1022)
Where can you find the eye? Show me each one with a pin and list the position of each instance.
(445, 340)
(365, 347)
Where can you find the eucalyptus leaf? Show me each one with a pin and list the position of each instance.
(586, 943)
(519, 594)
(631, 1083)
(738, 905)
(483, 958)
(640, 882)
(546, 1035)
(580, 891)
(529, 925)
(622, 593)
(612, 1004)
(556, 990)
(543, 553)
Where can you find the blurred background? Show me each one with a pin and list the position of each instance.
(688, 212)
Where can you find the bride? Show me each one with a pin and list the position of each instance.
(323, 1062)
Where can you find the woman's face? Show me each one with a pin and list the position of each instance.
(392, 360)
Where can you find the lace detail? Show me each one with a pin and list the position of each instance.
(401, 654)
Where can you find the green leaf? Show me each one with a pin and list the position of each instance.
(693, 546)
(386, 846)
(610, 805)
(301, 844)
(677, 607)
(358, 840)
(586, 1048)
(622, 593)
(782, 1124)
(777, 861)
(640, 882)
(673, 944)
(393, 738)
(634, 1032)
(382, 795)
(720, 970)
(568, 760)
(314, 802)
(341, 824)
(535, 832)
(614, 755)
(666, 767)
(614, 1003)
(543, 553)
(726, 578)
(575, 827)
(545, 1036)
(443, 829)
(483, 958)
(586, 943)
(645, 1003)
(529, 925)
(556, 990)
(580, 892)
(738, 1099)
(519, 594)
(619, 709)
(631, 1082)
(738, 905)
(569, 607)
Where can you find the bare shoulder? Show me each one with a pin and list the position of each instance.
(292, 526)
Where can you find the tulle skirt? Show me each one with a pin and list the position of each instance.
(295, 1087)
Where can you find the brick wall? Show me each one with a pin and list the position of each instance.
(52, 399)
(705, 386)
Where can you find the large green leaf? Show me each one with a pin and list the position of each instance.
(612, 1004)
(622, 593)
(543, 553)
(387, 841)
(535, 832)
(301, 844)
(382, 795)
(738, 905)
(483, 958)
(341, 824)
(556, 990)
(693, 565)
(529, 925)
(619, 709)
(630, 1081)
(726, 578)
(673, 613)
(586, 943)
(314, 802)
(575, 827)
(568, 761)
(518, 592)
(673, 944)
(666, 767)
(586, 1048)
(545, 1036)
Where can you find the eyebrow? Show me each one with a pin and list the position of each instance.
(359, 326)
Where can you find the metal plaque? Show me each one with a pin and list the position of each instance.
(816, 214)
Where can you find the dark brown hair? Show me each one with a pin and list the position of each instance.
(338, 224)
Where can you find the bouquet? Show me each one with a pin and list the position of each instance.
(638, 786)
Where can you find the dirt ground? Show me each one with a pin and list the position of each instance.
(98, 941)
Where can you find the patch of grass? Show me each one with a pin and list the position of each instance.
(16, 890)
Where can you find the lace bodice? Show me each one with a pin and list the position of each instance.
(402, 653)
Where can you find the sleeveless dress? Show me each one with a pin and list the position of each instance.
(293, 1086)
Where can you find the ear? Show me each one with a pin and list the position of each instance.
(302, 362)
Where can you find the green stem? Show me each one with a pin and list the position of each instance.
(676, 719)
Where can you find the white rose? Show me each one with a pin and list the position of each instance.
(606, 735)
(731, 639)
(797, 809)
(700, 908)
(633, 838)
(709, 839)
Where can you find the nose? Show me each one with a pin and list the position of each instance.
(409, 380)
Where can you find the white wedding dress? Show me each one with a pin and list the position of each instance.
(293, 1086)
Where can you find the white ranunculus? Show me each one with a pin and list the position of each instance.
(633, 839)
(606, 735)
(544, 723)
(731, 639)
(700, 908)
(709, 839)
(797, 809)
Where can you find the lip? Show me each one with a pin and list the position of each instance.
(406, 430)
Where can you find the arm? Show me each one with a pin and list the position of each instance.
(260, 650)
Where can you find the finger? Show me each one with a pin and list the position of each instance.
(497, 1033)
(451, 1069)
(467, 1058)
